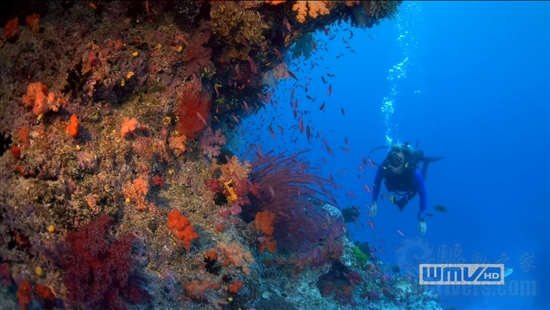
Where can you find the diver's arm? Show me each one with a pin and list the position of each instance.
(421, 190)
(377, 182)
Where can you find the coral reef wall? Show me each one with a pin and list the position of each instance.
(117, 188)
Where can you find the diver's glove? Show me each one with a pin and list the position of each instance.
(373, 209)
(422, 227)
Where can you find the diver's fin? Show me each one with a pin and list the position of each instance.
(430, 159)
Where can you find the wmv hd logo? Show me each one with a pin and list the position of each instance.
(466, 274)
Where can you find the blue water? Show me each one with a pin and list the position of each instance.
(470, 81)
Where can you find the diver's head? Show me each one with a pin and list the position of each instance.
(398, 157)
(396, 162)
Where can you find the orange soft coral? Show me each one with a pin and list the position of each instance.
(128, 127)
(268, 243)
(177, 144)
(181, 228)
(41, 102)
(235, 286)
(263, 222)
(32, 21)
(72, 129)
(234, 170)
(195, 289)
(311, 8)
(136, 192)
(234, 254)
(11, 30)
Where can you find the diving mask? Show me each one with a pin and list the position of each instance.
(395, 161)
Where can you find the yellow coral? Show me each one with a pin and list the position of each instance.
(232, 196)
(235, 24)
(311, 8)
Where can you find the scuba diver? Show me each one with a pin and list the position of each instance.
(404, 178)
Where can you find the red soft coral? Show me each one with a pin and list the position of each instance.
(24, 294)
(196, 55)
(194, 110)
(98, 267)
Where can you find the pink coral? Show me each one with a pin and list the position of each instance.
(211, 142)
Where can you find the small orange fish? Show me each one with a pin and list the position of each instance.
(235, 118)
(253, 66)
(346, 141)
(287, 25)
(367, 188)
(371, 164)
(263, 98)
(371, 224)
(278, 53)
(322, 107)
(201, 118)
(292, 75)
(329, 90)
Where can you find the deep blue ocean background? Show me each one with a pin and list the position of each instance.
(469, 81)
